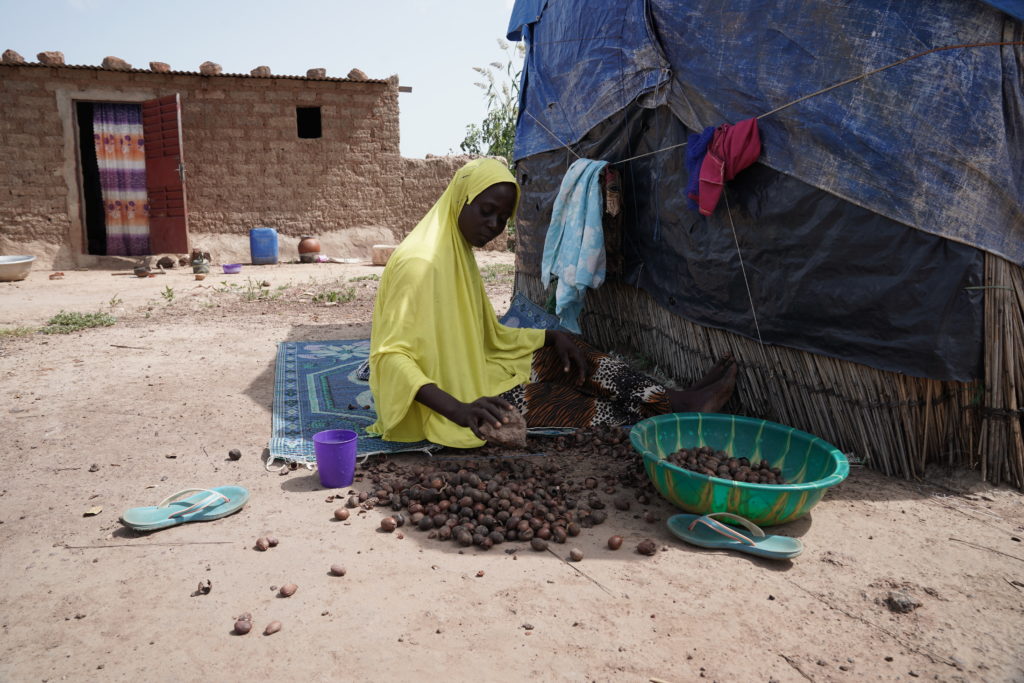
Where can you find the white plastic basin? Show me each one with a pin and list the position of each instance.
(15, 267)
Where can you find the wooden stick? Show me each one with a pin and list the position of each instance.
(938, 501)
(141, 545)
(985, 547)
(582, 573)
(793, 663)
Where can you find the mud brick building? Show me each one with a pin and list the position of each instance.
(310, 154)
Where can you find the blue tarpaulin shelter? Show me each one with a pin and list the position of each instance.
(936, 143)
(865, 224)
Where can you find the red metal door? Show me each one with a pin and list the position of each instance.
(165, 175)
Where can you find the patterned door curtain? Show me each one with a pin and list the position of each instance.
(117, 133)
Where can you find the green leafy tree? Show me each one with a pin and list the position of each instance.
(496, 134)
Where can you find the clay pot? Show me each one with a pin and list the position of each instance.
(309, 249)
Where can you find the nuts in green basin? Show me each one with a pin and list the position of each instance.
(647, 547)
(615, 542)
(718, 464)
(337, 570)
(272, 628)
(388, 524)
(288, 590)
(341, 514)
(575, 554)
(235, 454)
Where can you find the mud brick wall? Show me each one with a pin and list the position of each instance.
(247, 167)
(33, 194)
(245, 164)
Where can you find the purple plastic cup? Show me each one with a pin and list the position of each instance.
(335, 457)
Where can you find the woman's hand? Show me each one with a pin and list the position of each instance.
(485, 409)
(568, 353)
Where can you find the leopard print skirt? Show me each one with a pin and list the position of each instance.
(612, 394)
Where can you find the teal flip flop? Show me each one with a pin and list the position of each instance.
(204, 506)
(708, 532)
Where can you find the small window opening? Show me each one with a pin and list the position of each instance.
(308, 120)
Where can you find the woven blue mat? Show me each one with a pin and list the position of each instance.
(324, 385)
(317, 387)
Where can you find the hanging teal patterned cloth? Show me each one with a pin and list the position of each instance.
(574, 246)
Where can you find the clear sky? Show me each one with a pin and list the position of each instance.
(431, 45)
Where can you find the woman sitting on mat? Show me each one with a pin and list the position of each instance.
(441, 364)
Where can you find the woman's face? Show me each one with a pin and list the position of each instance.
(485, 217)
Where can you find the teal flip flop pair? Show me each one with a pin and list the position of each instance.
(707, 532)
(203, 505)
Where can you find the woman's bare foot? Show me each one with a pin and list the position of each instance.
(715, 373)
(706, 399)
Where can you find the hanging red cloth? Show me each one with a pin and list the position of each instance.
(732, 149)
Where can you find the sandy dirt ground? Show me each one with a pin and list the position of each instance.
(122, 416)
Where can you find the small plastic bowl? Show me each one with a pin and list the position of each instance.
(232, 268)
(809, 464)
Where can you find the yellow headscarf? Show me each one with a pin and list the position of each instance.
(433, 323)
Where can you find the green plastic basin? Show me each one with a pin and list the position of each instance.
(810, 465)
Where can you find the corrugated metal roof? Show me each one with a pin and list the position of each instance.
(196, 73)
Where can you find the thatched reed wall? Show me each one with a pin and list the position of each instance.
(893, 423)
